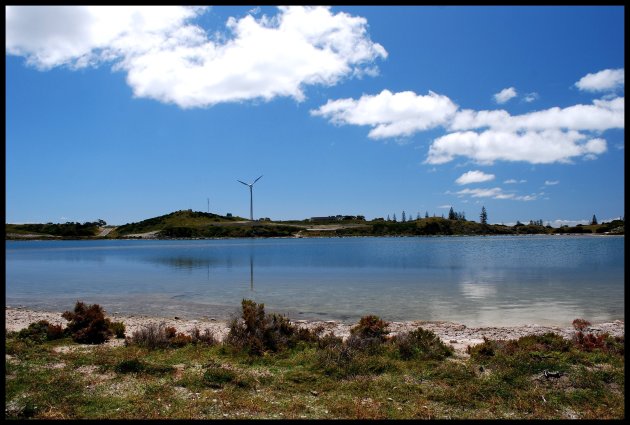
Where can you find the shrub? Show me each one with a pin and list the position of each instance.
(41, 331)
(371, 327)
(151, 336)
(170, 332)
(329, 340)
(487, 348)
(118, 328)
(155, 336)
(538, 343)
(180, 340)
(258, 332)
(421, 344)
(88, 324)
(335, 358)
(207, 337)
(368, 335)
(581, 324)
(342, 360)
(615, 345)
(590, 341)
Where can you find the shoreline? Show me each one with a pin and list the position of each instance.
(458, 335)
(30, 237)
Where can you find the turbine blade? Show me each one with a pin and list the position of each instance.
(256, 179)
(242, 182)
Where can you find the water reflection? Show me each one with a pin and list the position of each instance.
(184, 262)
(190, 263)
(477, 290)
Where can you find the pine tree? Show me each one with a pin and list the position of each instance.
(388, 217)
(451, 214)
(594, 220)
(403, 216)
(426, 214)
(394, 218)
(484, 216)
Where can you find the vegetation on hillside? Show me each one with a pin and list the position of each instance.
(65, 230)
(269, 368)
(177, 219)
(195, 224)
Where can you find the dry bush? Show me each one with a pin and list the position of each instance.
(155, 336)
(151, 336)
(581, 324)
(370, 327)
(88, 324)
(257, 332)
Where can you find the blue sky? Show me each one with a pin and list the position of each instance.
(124, 114)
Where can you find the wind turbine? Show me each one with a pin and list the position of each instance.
(251, 197)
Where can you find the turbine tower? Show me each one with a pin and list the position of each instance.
(251, 197)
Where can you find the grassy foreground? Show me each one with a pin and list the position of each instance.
(265, 370)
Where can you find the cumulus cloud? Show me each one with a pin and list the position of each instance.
(170, 59)
(608, 79)
(537, 147)
(505, 95)
(599, 116)
(78, 36)
(545, 136)
(474, 176)
(390, 114)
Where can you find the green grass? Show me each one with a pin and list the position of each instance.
(498, 380)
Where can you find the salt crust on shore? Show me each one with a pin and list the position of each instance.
(457, 335)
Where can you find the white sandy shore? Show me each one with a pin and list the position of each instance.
(457, 335)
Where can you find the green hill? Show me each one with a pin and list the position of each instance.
(195, 224)
(182, 218)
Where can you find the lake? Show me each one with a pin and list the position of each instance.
(478, 281)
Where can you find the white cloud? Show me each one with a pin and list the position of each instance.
(513, 181)
(530, 97)
(601, 115)
(169, 59)
(474, 177)
(537, 147)
(505, 95)
(608, 79)
(545, 136)
(495, 193)
(571, 223)
(50, 36)
(445, 206)
(390, 114)
(551, 182)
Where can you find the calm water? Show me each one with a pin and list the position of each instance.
(479, 281)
